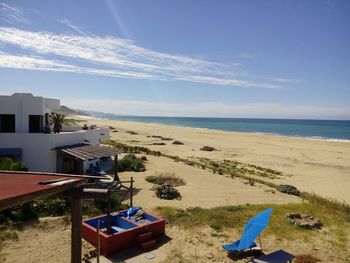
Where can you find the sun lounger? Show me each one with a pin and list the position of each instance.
(236, 247)
(252, 229)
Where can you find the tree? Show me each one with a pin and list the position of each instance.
(57, 121)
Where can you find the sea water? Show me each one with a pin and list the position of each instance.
(316, 129)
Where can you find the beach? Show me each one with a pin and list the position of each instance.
(318, 166)
(310, 165)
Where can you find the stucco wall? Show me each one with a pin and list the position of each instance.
(23, 105)
(36, 147)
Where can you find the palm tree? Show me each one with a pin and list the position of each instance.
(57, 121)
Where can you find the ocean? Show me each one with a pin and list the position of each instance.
(315, 129)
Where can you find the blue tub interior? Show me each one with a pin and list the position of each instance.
(118, 224)
(149, 217)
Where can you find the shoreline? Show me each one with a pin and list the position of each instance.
(311, 138)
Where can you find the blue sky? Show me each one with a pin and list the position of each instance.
(271, 59)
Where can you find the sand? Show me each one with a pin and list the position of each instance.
(202, 189)
(316, 166)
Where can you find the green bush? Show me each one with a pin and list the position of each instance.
(288, 189)
(101, 204)
(52, 207)
(7, 164)
(131, 163)
(167, 192)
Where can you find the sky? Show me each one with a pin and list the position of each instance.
(255, 59)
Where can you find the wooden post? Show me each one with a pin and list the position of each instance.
(131, 191)
(98, 241)
(260, 244)
(76, 231)
(109, 215)
(116, 176)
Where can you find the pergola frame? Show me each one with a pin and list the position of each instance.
(75, 187)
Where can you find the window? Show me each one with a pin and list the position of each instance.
(35, 123)
(7, 123)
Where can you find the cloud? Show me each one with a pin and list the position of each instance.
(116, 57)
(10, 14)
(207, 109)
(36, 63)
(286, 80)
(69, 24)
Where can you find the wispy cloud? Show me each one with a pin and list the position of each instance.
(11, 14)
(69, 24)
(116, 57)
(208, 109)
(286, 80)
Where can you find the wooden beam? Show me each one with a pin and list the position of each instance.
(131, 191)
(56, 174)
(85, 193)
(22, 199)
(116, 176)
(109, 204)
(76, 231)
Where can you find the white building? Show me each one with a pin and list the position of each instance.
(22, 119)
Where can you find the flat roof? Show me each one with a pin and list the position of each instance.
(17, 188)
(88, 152)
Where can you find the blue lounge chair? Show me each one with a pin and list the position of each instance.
(236, 246)
(251, 230)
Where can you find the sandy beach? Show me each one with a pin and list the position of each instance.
(322, 167)
(316, 166)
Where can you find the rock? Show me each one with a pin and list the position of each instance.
(304, 220)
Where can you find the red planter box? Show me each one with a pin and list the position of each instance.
(125, 234)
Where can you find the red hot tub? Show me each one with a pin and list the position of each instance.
(125, 233)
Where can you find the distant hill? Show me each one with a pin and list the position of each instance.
(69, 111)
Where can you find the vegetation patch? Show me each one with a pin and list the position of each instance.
(131, 149)
(288, 189)
(158, 143)
(238, 169)
(132, 163)
(167, 192)
(165, 179)
(7, 164)
(178, 143)
(235, 217)
(132, 132)
(208, 148)
(157, 136)
(166, 139)
(51, 207)
(71, 122)
(306, 258)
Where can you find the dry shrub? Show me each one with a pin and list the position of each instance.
(306, 258)
(165, 179)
